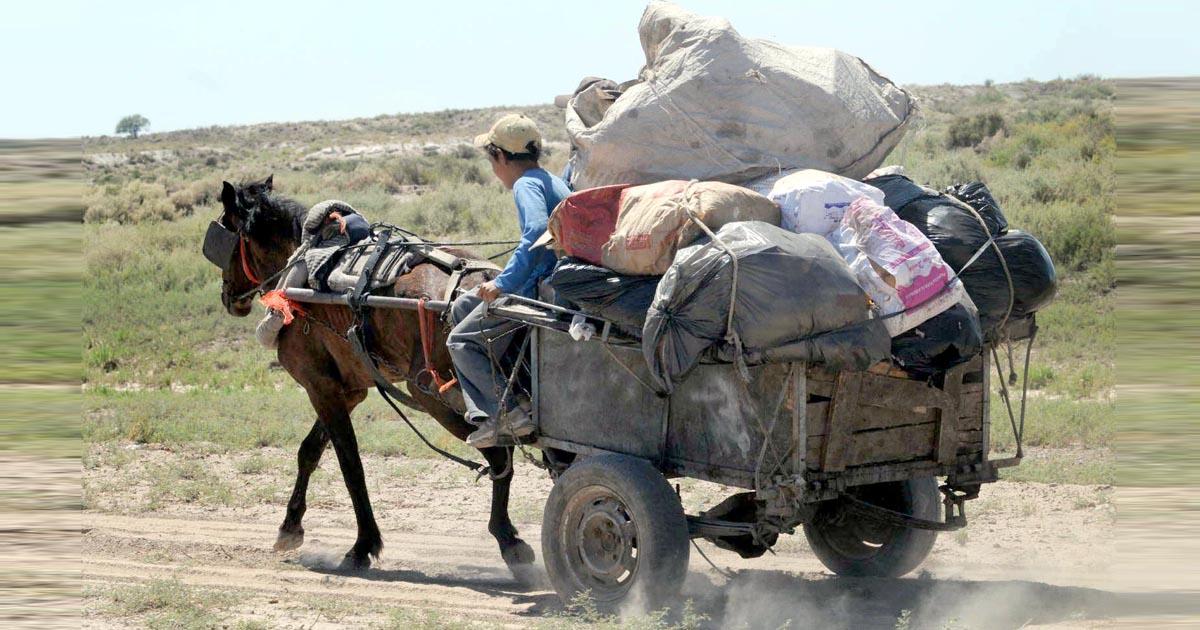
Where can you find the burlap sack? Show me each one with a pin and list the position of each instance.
(713, 105)
(653, 221)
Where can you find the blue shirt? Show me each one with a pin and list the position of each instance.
(536, 193)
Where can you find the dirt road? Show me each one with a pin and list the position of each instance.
(1034, 554)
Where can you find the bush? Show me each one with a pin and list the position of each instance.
(132, 202)
(968, 131)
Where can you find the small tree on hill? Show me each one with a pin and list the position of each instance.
(133, 124)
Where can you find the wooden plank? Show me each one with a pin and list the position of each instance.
(799, 418)
(818, 374)
(908, 443)
(841, 417)
(972, 388)
(986, 421)
(817, 417)
(947, 438)
(869, 417)
(893, 445)
(899, 393)
(824, 389)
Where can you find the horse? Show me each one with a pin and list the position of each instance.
(322, 361)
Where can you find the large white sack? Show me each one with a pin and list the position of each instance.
(812, 201)
(713, 105)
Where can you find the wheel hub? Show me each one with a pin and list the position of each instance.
(605, 541)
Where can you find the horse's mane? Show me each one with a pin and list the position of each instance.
(276, 215)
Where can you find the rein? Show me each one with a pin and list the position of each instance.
(250, 275)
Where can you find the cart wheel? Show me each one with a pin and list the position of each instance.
(854, 546)
(614, 528)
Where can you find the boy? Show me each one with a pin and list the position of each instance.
(513, 146)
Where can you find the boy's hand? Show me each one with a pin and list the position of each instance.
(488, 291)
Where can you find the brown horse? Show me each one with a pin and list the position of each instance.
(317, 355)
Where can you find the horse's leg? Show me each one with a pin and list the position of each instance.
(291, 533)
(334, 411)
(516, 552)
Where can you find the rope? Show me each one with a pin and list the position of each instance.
(1012, 292)
(426, 321)
(731, 336)
(295, 258)
(762, 452)
(473, 466)
(725, 573)
(1007, 402)
(628, 369)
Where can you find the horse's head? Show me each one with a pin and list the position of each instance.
(251, 241)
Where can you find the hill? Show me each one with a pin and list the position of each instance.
(163, 363)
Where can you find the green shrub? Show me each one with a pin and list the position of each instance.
(132, 202)
(968, 131)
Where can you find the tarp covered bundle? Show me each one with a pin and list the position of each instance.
(1012, 282)
(714, 105)
(795, 300)
(622, 300)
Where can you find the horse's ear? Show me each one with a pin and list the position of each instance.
(228, 196)
(270, 181)
(229, 200)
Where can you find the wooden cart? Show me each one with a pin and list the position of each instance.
(852, 457)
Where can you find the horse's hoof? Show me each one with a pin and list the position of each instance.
(518, 553)
(360, 555)
(289, 540)
(353, 562)
(520, 559)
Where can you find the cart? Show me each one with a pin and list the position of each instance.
(851, 457)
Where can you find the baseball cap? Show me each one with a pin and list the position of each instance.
(513, 133)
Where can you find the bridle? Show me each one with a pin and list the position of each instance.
(250, 275)
(221, 244)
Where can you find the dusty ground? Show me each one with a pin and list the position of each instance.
(1033, 555)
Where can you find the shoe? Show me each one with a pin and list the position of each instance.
(267, 332)
(515, 425)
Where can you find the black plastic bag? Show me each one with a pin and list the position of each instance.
(1035, 282)
(958, 235)
(605, 293)
(977, 195)
(796, 301)
(954, 229)
(940, 343)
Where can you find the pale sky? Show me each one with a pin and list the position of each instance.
(74, 68)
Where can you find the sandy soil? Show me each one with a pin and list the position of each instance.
(1034, 555)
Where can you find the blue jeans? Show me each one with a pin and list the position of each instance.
(476, 339)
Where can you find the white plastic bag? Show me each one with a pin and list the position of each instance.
(812, 201)
(896, 265)
(580, 329)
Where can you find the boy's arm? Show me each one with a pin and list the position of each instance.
(533, 215)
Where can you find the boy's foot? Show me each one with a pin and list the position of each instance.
(516, 424)
(268, 329)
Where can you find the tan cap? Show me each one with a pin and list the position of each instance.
(513, 133)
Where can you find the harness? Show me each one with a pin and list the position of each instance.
(398, 257)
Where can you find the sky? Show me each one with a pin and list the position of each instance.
(75, 68)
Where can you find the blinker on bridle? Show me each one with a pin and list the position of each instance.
(220, 243)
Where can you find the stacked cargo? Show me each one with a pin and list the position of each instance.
(737, 215)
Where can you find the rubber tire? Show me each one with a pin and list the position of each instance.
(904, 550)
(652, 505)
